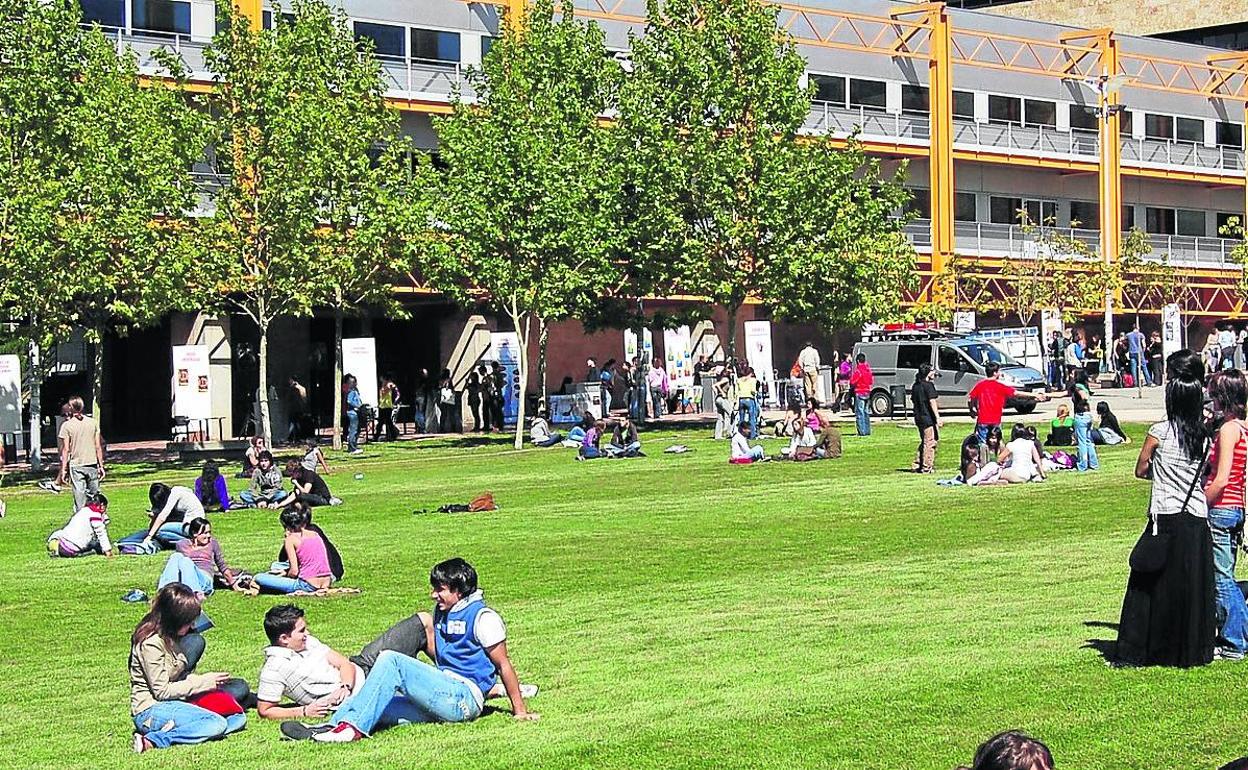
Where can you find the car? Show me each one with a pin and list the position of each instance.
(957, 358)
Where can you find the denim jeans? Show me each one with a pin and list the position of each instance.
(748, 410)
(1139, 371)
(615, 450)
(982, 429)
(169, 535)
(756, 453)
(175, 721)
(429, 694)
(861, 417)
(1232, 612)
(590, 452)
(180, 569)
(1087, 459)
(656, 403)
(353, 429)
(250, 499)
(280, 584)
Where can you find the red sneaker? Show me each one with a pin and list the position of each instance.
(345, 732)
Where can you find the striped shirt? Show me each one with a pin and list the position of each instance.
(1174, 474)
(1233, 495)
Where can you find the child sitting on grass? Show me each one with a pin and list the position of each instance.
(85, 533)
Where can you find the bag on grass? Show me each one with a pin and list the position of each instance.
(1064, 459)
(218, 702)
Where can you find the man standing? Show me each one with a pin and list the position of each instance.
(500, 394)
(862, 379)
(1135, 354)
(1056, 351)
(82, 454)
(297, 406)
(987, 399)
(808, 360)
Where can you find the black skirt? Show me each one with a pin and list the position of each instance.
(1168, 615)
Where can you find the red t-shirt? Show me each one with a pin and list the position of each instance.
(990, 397)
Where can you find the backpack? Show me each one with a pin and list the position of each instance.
(1063, 459)
(1128, 380)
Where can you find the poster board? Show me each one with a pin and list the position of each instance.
(758, 352)
(1171, 330)
(359, 357)
(505, 349)
(677, 357)
(192, 391)
(569, 409)
(964, 321)
(10, 394)
(630, 346)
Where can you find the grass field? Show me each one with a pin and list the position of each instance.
(676, 612)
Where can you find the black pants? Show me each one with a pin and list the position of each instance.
(385, 419)
(311, 500)
(496, 412)
(475, 406)
(193, 646)
(406, 637)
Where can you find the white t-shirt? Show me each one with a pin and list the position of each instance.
(1226, 338)
(740, 447)
(540, 430)
(1021, 461)
(301, 676)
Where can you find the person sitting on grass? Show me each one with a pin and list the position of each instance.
(1109, 432)
(742, 451)
(306, 568)
(624, 440)
(828, 443)
(199, 564)
(163, 654)
(211, 490)
(313, 457)
(307, 487)
(540, 433)
(172, 509)
(1020, 460)
(266, 485)
(251, 458)
(1061, 428)
(470, 658)
(577, 433)
(802, 444)
(589, 445)
(1011, 750)
(85, 533)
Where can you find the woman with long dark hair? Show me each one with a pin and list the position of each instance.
(1081, 401)
(1224, 492)
(163, 653)
(1168, 611)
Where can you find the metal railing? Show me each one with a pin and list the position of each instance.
(1038, 140)
(989, 239)
(1191, 251)
(837, 120)
(145, 42)
(425, 76)
(1172, 152)
(919, 231)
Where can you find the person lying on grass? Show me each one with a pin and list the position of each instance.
(85, 533)
(470, 655)
(317, 679)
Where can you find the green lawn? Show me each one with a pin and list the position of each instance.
(676, 612)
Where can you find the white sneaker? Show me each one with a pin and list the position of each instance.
(335, 501)
(139, 744)
(343, 733)
(357, 451)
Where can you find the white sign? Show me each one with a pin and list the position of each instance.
(677, 357)
(192, 394)
(568, 409)
(964, 321)
(630, 346)
(758, 352)
(10, 394)
(505, 349)
(1171, 330)
(359, 358)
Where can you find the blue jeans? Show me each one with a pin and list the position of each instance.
(430, 695)
(169, 535)
(250, 499)
(555, 438)
(656, 403)
(615, 450)
(1232, 611)
(590, 452)
(756, 453)
(1087, 459)
(353, 429)
(576, 434)
(180, 569)
(861, 417)
(280, 584)
(981, 432)
(747, 409)
(1139, 371)
(175, 721)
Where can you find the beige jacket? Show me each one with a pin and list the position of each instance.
(157, 674)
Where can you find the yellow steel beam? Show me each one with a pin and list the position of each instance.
(940, 110)
(1111, 153)
(253, 11)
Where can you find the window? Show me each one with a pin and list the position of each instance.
(1230, 135)
(920, 203)
(1188, 222)
(964, 105)
(1084, 118)
(1160, 221)
(1005, 109)
(829, 88)
(915, 99)
(1004, 211)
(871, 94)
(1040, 113)
(106, 13)
(266, 19)
(1041, 212)
(1125, 123)
(1158, 126)
(1085, 215)
(487, 42)
(964, 207)
(910, 356)
(948, 359)
(163, 16)
(434, 45)
(1189, 130)
(1228, 230)
(1128, 217)
(387, 39)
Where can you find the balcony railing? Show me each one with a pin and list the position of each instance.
(834, 119)
(1032, 140)
(1189, 251)
(145, 42)
(1170, 152)
(428, 77)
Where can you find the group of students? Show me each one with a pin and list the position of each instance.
(586, 437)
(321, 694)
(812, 436)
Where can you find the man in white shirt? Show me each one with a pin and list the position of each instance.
(741, 449)
(808, 361)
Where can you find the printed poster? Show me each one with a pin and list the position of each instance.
(359, 357)
(758, 352)
(1171, 330)
(678, 359)
(10, 394)
(505, 349)
(192, 396)
(630, 346)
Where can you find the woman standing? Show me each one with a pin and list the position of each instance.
(1081, 400)
(387, 397)
(1224, 492)
(1168, 610)
(473, 387)
(163, 653)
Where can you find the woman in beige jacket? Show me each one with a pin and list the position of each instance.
(161, 678)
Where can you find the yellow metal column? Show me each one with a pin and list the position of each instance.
(252, 10)
(940, 105)
(1111, 154)
(515, 12)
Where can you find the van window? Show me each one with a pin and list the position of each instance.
(950, 359)
(982, 352)
(910, 356)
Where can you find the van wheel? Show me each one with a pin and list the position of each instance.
(1026, 408)
(881, 404)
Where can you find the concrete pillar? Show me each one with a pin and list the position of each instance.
(214, 331)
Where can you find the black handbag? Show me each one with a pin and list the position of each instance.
(1153, 548)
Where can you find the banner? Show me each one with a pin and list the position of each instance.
(505, 349)
(630, 346)
(359, 357)
(568, 409)
(964, 321)
(1171, 330)
(758, 352)
(677, 357)
(192, 396)
(10, 394)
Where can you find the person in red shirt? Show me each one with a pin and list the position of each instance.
(987, 399)
(861, 380)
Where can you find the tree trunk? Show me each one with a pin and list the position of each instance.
(521, 322)
(264, 428)
(732, 330)
(97, 372)
(639, 361)
(338, 373)
(543, 336)
(36, 429)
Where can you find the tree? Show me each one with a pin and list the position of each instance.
(528, 200)
(299, 111)
(94, 185)
(734, 202)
